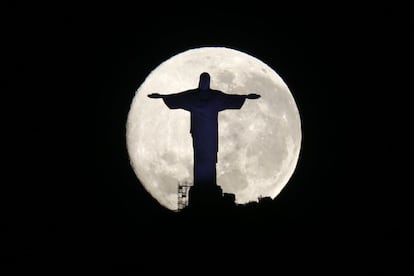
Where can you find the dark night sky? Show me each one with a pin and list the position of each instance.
(76, 69)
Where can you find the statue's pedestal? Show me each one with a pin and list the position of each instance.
(205, 195)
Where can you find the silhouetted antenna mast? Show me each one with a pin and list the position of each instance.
(183, 188)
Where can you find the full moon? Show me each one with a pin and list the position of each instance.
(259, 144)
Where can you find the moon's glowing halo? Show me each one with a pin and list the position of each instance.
(259, 144)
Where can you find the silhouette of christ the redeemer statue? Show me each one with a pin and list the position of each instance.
(204, 104)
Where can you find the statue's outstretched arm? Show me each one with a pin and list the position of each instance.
(252, 96)
(155, 96)
(160, 96)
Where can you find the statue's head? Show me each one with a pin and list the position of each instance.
(204, 83)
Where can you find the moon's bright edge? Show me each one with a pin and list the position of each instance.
(259, 144)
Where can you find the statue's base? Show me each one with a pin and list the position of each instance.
(204, 194)
(209, 196)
